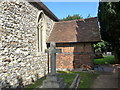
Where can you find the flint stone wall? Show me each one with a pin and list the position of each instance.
(19, 63)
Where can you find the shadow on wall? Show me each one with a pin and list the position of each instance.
(6, 85)
(76, 58)
(82, 51)
(20, 82)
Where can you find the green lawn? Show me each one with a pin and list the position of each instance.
(86, 80)
(36, 84)
(105, 60)
(68, 77)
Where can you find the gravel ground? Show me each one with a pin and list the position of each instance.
(111, 79)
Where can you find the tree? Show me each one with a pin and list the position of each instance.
(74, 17)
(89, 16)
(103, 46)
(109, 18)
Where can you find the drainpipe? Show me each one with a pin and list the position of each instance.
(48, 63)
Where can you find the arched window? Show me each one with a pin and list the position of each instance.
(41, 33)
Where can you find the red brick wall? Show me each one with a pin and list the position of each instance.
(74, 55)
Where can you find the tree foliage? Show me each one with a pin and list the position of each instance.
(109, 18)
(103, 46)
(74, 17)
(89, 16)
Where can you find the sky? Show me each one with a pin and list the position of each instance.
(63, 9)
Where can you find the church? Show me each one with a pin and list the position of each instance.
(27, 28)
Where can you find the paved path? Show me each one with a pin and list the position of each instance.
(108, 80)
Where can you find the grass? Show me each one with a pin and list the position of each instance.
(86, 78)
(68, 77)
(85, 81)
(36, 84)
(105, 60)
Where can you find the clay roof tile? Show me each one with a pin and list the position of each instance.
(81, 30)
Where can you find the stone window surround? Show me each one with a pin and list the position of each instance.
(41, 49)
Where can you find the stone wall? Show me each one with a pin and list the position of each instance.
(74, 55)
(19, 62)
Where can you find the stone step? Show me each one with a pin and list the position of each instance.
(53, 81)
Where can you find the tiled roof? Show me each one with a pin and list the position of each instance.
(82, 30)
